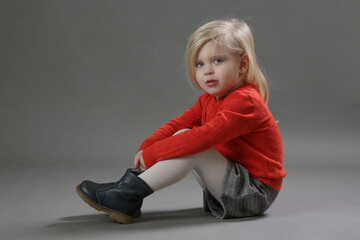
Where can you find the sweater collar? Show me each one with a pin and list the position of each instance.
(244, 86)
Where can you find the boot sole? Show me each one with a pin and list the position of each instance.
(117, 216)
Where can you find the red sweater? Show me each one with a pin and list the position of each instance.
(239, 126)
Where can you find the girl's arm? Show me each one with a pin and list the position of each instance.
(237, 117)
(188, 119)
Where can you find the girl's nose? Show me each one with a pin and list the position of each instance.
(209, 70)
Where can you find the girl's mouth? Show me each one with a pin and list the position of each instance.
(211, 83)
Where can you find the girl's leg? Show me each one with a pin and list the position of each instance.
(210, 169)
(166, 173)
(210, 166)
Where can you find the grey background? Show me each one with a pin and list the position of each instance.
(89, 80)
(82, 83)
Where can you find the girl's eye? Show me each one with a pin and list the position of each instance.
(199, 64)
(218, 60)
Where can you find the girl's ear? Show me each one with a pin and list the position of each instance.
(244, 63)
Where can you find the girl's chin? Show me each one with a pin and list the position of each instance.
(215, 93)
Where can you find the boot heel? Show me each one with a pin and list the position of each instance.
(121, 218)
(137, 213)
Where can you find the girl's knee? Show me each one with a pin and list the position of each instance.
(181, 131)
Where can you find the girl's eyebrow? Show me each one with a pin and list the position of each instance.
(219, 56)
(212, 57)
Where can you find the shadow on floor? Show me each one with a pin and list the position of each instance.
(96, 223)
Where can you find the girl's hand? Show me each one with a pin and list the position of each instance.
(139, 161)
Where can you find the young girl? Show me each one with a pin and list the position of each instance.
(228, 139)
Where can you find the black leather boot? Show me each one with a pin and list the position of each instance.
(87, 189)
(122, 200)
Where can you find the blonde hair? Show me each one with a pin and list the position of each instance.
(235, 38)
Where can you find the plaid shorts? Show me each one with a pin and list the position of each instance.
(241, 195)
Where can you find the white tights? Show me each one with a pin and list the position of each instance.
(209, 168)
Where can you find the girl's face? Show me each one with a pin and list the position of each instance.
(218, 73)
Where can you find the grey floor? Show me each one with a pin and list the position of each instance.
(39, 202)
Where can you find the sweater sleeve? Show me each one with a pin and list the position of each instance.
(236, 117)
(189, 119)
